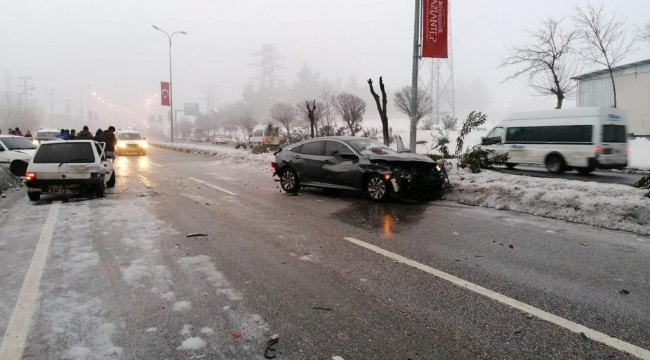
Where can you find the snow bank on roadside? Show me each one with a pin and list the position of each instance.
(610, 206)
(639, 154)
(7, 180)
(221, 154)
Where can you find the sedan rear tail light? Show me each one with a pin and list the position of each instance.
(599, 150)
(30, 176)
(274, 165)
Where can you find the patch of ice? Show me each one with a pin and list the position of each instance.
(193, 343)
(187, 330)
(152, 329)
(232, 294)
(206, 330)
(306, 258)
(226, 308)
(203, 265)
(182, 305)
(168, 296)
(638, 156)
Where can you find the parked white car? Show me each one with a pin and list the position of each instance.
(15, 153)
(130, 141)
(260, 135)
(44, 135)
(69, 167)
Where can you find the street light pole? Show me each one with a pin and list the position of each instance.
(171, 103)
(414, 79)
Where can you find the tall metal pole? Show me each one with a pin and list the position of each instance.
(414, 78)
(171, 103)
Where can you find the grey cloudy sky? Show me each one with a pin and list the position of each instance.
(111, 46)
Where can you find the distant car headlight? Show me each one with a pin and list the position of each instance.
(121, 144)
(35, 142)
(143, 144)
(439, 168)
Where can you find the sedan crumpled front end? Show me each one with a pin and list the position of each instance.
(416, 180)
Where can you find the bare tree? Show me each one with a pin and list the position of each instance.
(351, 108)
(285, 114)
(327, 98)
(381, 107)
(547, 63)
(604, 39)
(305, 114)
(644, 33)
(246, 123)
(402, 99)
(311, 111)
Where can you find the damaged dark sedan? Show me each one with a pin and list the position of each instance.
(359, 164)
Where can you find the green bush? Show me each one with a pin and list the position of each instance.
(478, 158)
(240, 145)
(261, 149)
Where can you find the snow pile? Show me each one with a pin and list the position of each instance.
(222, 154)
(610, 206)
(7, 180)
(639, 157)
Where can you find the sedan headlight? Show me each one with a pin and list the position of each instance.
(438, 167)
(120, 144)
(143, 144)
(35, 142)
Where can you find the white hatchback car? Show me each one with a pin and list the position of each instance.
(130, 141)
(69, 167)
(15, 153)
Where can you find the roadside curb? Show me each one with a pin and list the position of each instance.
(184, 149)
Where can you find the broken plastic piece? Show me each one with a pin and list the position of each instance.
(624, 292)
(195, 235)
(236, 335)
(269, 353)
(511, 246)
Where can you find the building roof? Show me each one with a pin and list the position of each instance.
(643, 64)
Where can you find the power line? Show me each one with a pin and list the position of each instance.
(26, 88)
(51, 100)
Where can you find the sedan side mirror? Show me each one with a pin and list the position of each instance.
(482, 140)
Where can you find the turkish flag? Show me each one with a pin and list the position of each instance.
(435, 19)
(164, 93)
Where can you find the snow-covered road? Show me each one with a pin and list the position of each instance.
(121, 279)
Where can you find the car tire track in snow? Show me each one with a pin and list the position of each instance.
(13, 342)
(213, 186)
(541, 314)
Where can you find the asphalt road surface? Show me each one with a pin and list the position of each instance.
(611, 177)
(334, 276)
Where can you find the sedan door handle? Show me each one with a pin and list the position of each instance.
(327, 161)
(297, 157)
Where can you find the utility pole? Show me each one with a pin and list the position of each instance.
(26, 89)
(51, 100)
(414, 78)
(67, 107)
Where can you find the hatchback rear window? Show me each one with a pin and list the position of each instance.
(73, 152)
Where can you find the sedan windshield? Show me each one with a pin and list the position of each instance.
(371, 147)
(46, 134)
(18, 143)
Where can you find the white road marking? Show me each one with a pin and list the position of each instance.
(154, 164)
(213, 186)
(15, 336)
(337, 358)
(541, 314)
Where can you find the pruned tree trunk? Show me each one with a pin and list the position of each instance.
(381, 107)
(312, 119)
(611, 75)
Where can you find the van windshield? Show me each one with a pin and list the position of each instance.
(71, 152)
(614, 134)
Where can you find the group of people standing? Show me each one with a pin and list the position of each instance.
(106, 136)
(16, 132)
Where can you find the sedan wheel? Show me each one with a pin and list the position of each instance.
(289, 181)
(376, 187)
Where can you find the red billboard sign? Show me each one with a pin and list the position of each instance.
(434, 28)
(164, 93)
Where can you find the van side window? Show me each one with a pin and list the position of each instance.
(258, 133)
(550, 134)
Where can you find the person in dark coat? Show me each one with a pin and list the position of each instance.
(98, 135)
(73, 135)
(85, 134)
(17, 132)
(28, 134)
(108, 137)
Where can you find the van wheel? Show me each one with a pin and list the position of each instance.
(34, 196)
(511, 165)
(585, 170)
(19, 168)
(555, 164)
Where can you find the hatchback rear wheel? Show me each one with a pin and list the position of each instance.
(34, 196)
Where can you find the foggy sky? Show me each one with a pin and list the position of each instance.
(80, 46)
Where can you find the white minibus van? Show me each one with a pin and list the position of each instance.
(582, 139)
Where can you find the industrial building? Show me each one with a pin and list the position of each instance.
(632, 89)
